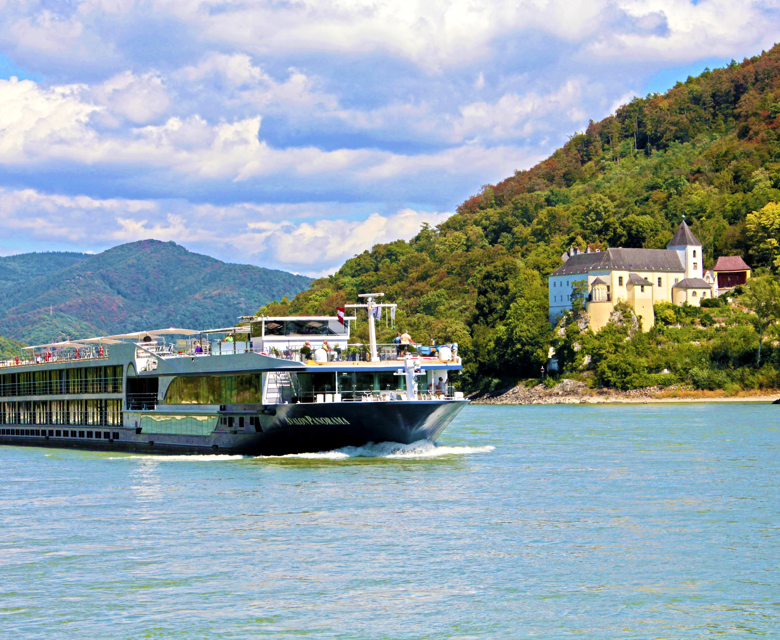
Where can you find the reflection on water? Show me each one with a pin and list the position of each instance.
(523, 522)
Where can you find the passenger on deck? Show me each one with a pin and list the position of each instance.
(397, 343)
(198, 348)
(406, 340)
(441, 387)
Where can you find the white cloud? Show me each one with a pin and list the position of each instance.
(292, 237)
(140, 99)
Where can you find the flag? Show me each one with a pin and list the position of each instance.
(378, 313)
(340, 314)
(392, 313)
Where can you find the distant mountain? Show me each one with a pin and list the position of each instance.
(18, 269)
(140, 285)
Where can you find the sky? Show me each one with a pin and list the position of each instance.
(296, 134)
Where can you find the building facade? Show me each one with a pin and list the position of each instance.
(638, 277)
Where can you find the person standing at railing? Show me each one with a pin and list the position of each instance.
(406, 340)
(441, 387)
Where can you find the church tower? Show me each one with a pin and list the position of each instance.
(689, 249)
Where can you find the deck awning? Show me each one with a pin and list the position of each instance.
(173, 331)
(226, 330)
(65, 344)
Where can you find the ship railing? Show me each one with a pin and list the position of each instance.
(372, 395)
(88, 353)
(66, 419)
(353, 352)
(141, 401)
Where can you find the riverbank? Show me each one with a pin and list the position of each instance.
(575, 392)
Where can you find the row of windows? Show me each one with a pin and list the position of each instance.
(240, 389)
(63, 412)
(62, 381)
(179, 425)
(61, 433)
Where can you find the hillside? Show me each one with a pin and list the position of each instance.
(18, 269)
(146, 284)
(707, 149)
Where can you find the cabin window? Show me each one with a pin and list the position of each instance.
(243, 388)
(620, 281)
(659, 282)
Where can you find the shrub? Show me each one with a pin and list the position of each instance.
(711, 303)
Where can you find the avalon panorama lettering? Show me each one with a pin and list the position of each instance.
(336, 420)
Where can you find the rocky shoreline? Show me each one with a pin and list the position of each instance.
(575, 392)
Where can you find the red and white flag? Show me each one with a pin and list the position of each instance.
(340, 314)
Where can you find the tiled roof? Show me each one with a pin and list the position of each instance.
(635, 278)
(684, 237)
(692, 283)
(623, 260)
(730, 263)
(598, 281)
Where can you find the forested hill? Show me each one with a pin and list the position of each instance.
(707, 149)
(141, 285)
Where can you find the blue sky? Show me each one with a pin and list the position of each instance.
(297, 134)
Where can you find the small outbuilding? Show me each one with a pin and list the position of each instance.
(730, 271)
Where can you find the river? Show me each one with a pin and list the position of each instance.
(641, 521)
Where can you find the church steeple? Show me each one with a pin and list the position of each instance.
(683, 238)
(688, 248)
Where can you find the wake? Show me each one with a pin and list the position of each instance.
(390, 450)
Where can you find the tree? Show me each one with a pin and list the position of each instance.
(763, 298)
(763, 232)
(578, 296)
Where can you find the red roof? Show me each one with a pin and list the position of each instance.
(730, 263)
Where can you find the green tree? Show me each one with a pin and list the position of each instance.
(763, 233)
(578, 296)
(762, 296)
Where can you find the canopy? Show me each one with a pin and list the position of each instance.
(103, 340)
(130, 336)
(226, 330)
(66, 343)
(173, 331)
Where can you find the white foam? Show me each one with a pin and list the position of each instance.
(189, 458)
(391, 450)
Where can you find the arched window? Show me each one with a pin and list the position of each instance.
(694, 294)
(694, 253)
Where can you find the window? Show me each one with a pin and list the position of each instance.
(620, 281)
(694, 294)
(642, 289)
(694, 253)
(659, 282)
(695, 266)
(704, 294)
(676, 280)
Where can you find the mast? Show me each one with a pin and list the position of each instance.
(371, 305)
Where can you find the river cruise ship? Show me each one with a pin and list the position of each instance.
(269, 386)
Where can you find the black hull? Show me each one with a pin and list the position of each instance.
(284, 429)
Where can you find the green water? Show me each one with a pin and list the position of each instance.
(525, 522)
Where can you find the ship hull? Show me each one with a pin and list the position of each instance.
(277, 430)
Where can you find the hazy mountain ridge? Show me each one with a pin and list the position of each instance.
(140, 285)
